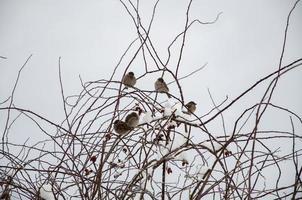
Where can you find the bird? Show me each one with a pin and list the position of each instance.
(5, 195)
(161, 86)
(132, 119)
(129, 80)
(191, 106)
(121, 127)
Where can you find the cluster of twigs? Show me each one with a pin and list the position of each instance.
(168, 156)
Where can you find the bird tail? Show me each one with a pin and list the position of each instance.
(169, 95)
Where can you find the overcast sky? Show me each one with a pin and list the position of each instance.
(241, 47)
(90, 36)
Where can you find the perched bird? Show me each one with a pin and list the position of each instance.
(132, 119)
(161, 86)
(121, 127)
(129, 80)
(5, 195)
(191, 106)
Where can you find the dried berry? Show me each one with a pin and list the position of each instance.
(93, 159)
(184, 162)
(107, 136)
(139, 110)
(87, 171)
(116, 175)
(112, 164)
(227, 153)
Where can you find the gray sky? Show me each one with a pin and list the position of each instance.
(90, 36)
(244, 45)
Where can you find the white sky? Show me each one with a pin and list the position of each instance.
(90, 36)
(244, 45)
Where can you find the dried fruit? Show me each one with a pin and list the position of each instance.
(93, 159)
(87, 171)
(227, 152)
(112, 164)
(184, 162)
(107, 136)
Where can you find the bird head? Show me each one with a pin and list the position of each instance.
(192, 102)
(131, 74)
(160, 79)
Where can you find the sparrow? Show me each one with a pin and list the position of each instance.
(5, 195)
(161, 86)
(129, 80)
(191, 106)
(121, 127)
(132, 119)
